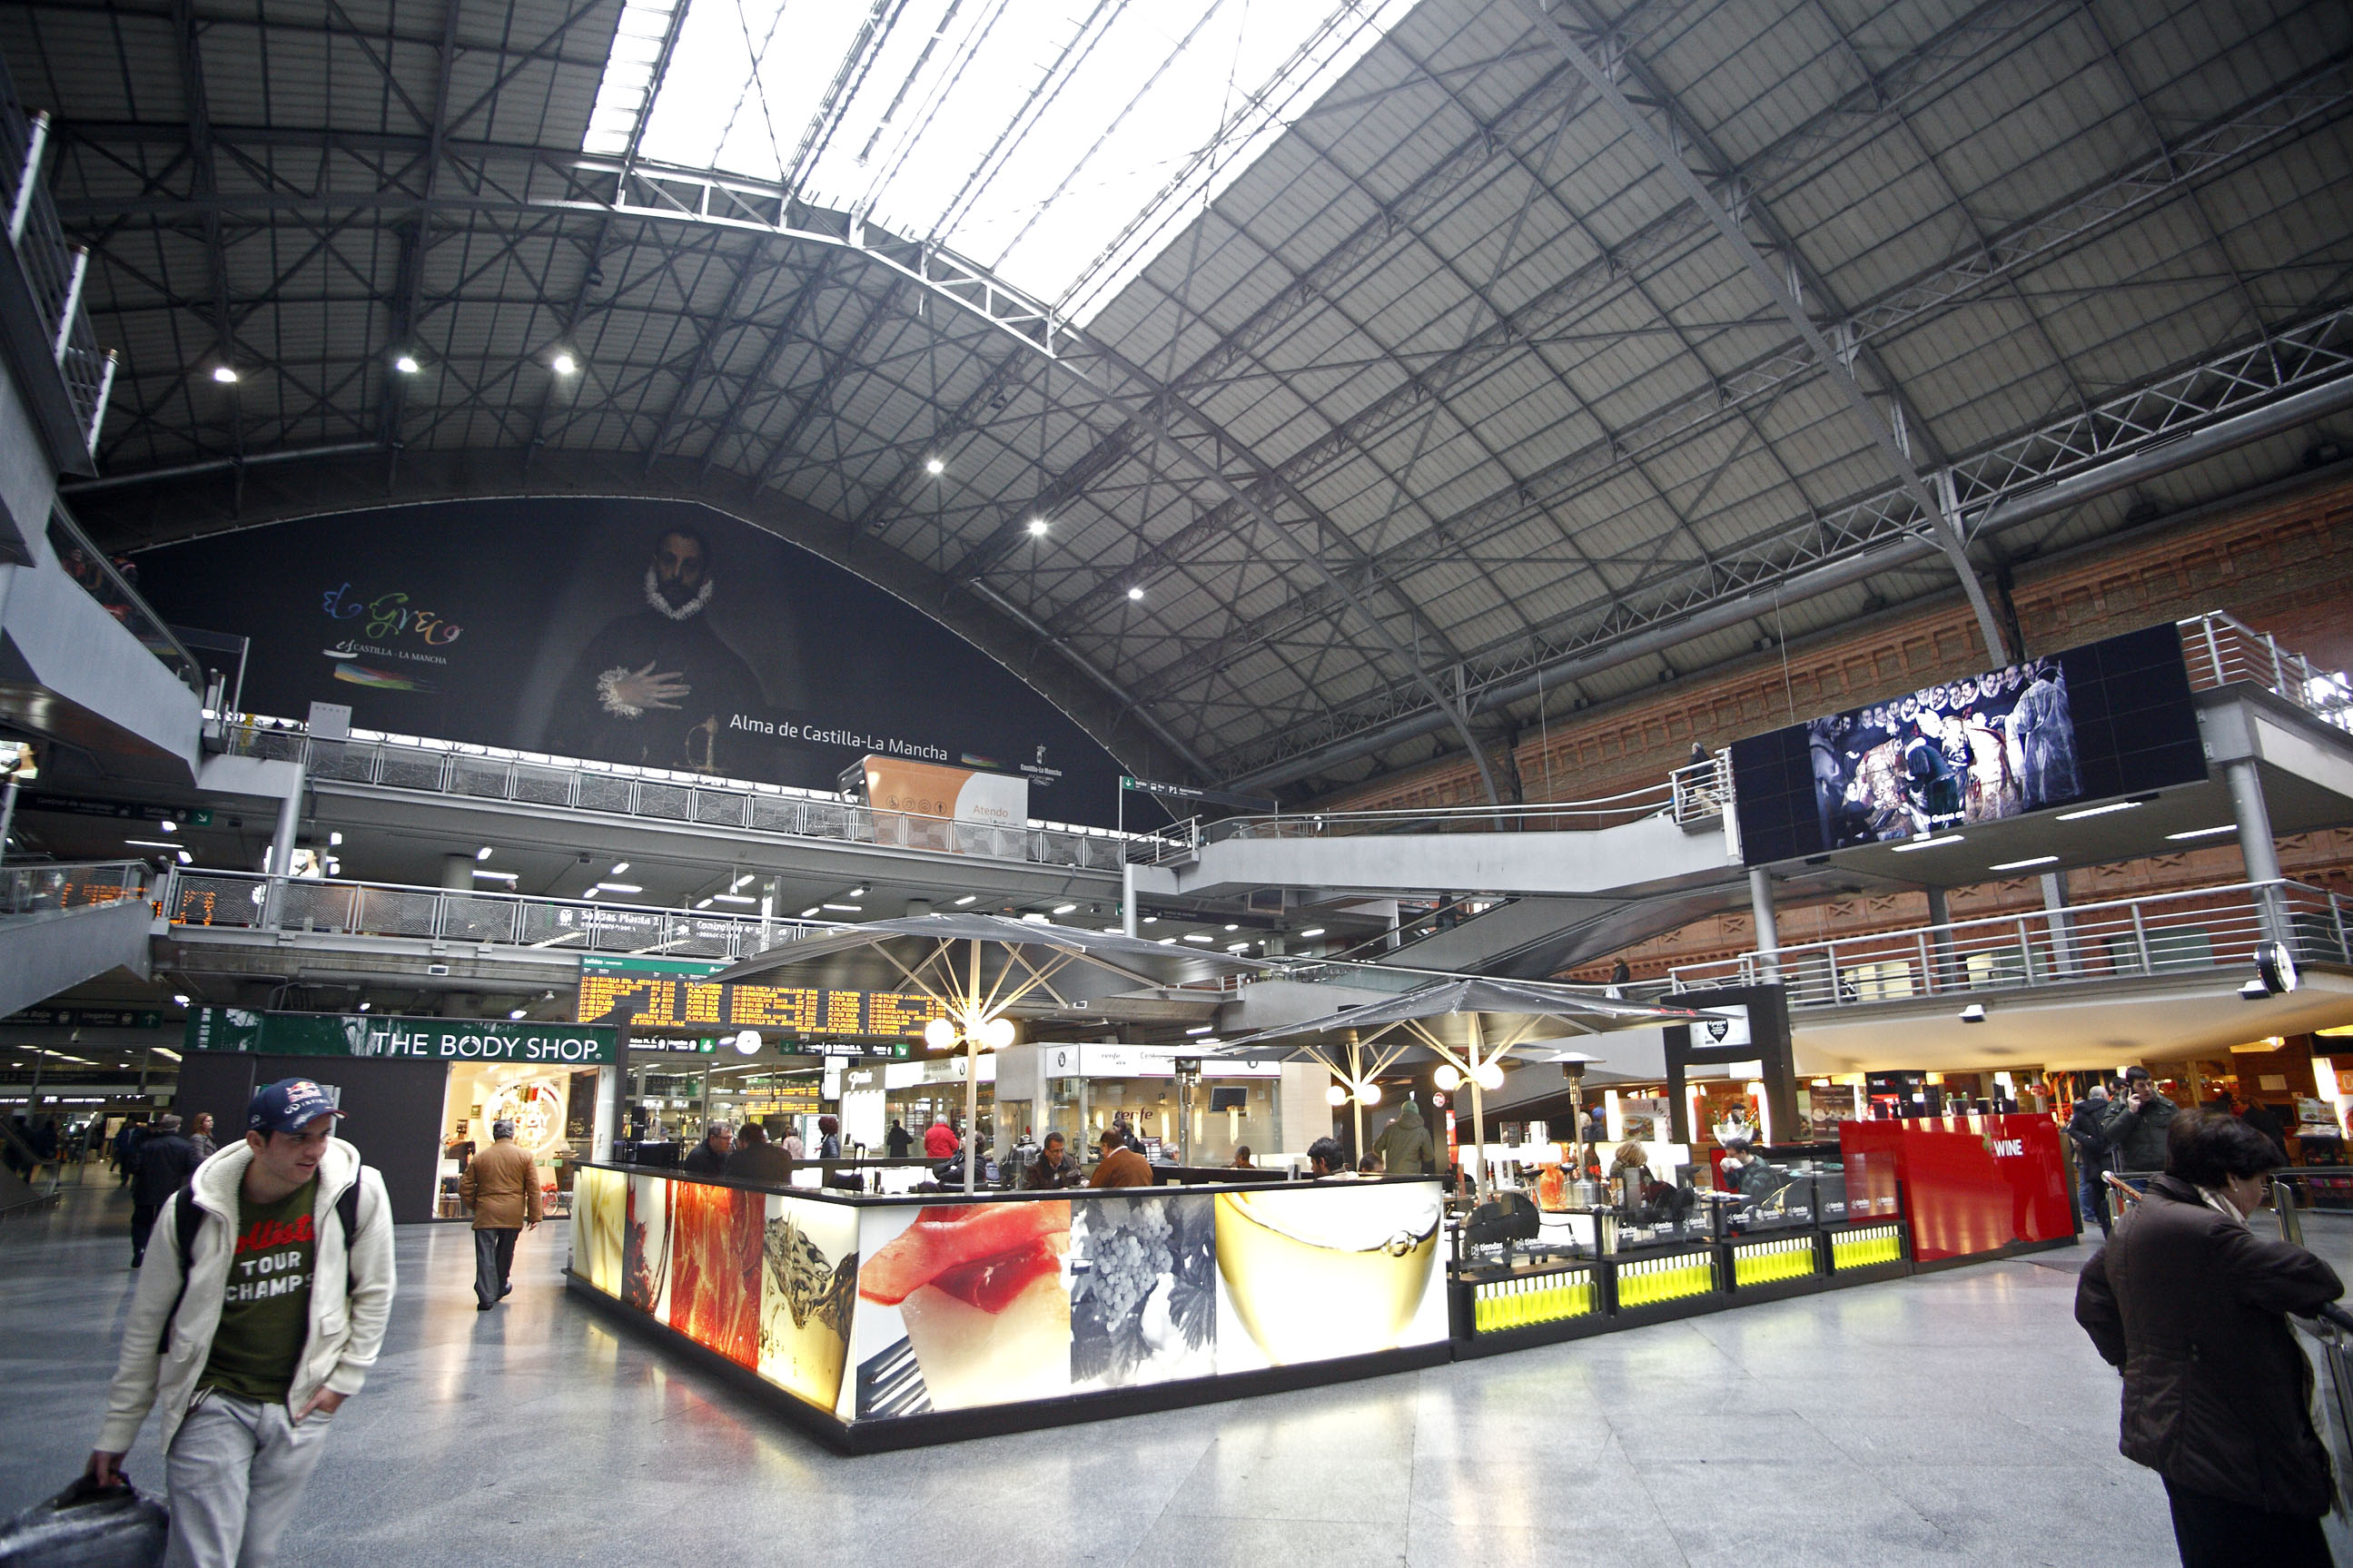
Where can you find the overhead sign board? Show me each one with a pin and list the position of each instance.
(424, 1039)
(1191, 792)
(661, 1002)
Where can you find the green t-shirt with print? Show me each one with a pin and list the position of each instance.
(266, 1312)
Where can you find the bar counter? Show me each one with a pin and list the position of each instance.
(884, 1323)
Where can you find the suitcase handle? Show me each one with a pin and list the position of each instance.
(2337, 1316)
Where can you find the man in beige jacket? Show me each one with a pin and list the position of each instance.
(501, 1186)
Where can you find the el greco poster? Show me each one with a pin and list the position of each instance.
(658, 634)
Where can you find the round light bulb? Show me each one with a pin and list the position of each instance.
(1335, 1095)
(1370, 1094)
(939, 1034)
(1446, 1078)
(1490, 1078)
(748, 1042)
(996, 1034)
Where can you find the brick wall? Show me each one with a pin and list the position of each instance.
(2284, 567)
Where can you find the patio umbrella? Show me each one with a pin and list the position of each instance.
(1471, 1024)
(977, 968)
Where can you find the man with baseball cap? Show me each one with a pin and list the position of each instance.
(273, 1282)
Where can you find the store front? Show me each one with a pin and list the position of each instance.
(420, 1093)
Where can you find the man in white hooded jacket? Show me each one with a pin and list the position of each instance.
(253, 1334)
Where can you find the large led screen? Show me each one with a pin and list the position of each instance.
(2107, 719)
(656, 634)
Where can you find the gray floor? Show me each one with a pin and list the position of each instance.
(1955, 1418)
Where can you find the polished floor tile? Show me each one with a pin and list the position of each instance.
(1951, 1419)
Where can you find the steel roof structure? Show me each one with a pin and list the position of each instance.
(1534, 352)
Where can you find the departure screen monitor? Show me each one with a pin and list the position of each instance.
(2111, 718)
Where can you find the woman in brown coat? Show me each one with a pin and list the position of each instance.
(501, 1184)
(2192, 1306)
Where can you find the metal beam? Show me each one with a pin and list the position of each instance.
(1675, 147)
(2302, 373)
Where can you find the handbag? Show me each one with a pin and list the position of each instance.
(88, 1526)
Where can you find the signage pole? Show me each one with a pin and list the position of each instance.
(624, 1015)
(8, 814)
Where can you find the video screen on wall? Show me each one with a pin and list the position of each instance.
(658, 634)
(2111, 718)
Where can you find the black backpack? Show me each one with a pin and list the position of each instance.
(187, 1218)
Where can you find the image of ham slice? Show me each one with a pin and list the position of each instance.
(979, 1253)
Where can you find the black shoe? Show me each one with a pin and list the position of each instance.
(484, 1306)
(505, 1291)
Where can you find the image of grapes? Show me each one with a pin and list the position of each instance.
(1144, 1291)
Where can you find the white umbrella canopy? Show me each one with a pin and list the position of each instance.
(978, 968)
(1471, 1024)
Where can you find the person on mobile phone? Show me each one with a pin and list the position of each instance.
(2136, 1127)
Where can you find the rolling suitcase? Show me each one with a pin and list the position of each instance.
(2327, 1339)
(86, 1526)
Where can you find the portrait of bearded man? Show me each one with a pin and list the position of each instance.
(657, 687)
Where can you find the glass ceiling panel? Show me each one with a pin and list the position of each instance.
(1056, 142)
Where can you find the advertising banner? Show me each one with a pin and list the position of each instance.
(884, 1311)
(930, 789)
(424, 1039)
(656, 633)
(2104, 719)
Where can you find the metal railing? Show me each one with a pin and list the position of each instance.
(2199, 931)
(34, 890)
(659, 794)
(2221, 649)
(89, 565)
(54, 270)
(237, 900)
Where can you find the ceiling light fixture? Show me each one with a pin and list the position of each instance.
(2202, 831)
(405, 364)
(1134, 594)
(168, 826)
(1037, 526)
(857, 892)
(482, 875)
(514, 1014)
(1064, 909)
(2022, 865)
(2097, 810)
(845, 908)
(366, 1006)
(225, 374)
(705, 903)
(616, 886)
(965, 899)
(188, 859)
(1202, 1030)
(483, 852)
(810, 912)
(935, 468)
(618, 869)
(152, 842)
(735, 898)
(1199, 936)
(1310, 930)
(1928, 843)
(334, 840)
(1233, 928)
(564, 364)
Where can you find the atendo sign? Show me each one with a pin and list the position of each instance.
(424, 1039)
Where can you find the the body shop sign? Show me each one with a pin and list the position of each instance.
(422, 1039)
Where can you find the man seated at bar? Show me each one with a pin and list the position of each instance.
(1120, 1166)
(755, 1159)
(708, 1158)
(1327, 1162)
(1054, 1167)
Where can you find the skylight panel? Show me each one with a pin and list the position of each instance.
(1059, 144)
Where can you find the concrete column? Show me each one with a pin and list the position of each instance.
(2062, 931)
(1940, 939)
(1127, 897)
(1769, 934)
(290, 817)
(2256, 849)
(458, 873)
